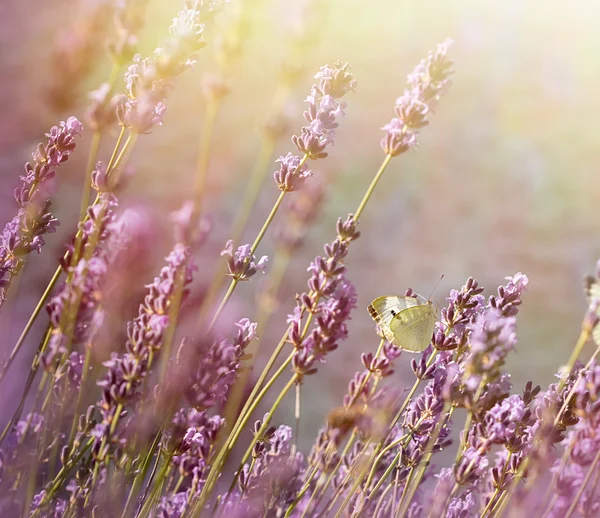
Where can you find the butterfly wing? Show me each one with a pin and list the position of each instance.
(384, 309)
(413, 327)
(592, 288)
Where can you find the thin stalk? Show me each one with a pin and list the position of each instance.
(87, 183)
(371, 188)
(301, 493)
(61, 476)
(381, 500)
(265, 424)
(139, 478)
(491, 503)
(54, 279)
(253, 248)
(30, 379)
(210, 116)
(468, 420)
(428, 453)
(38, 308)
(352, 491)
(237, 391)
(584, 336)
(250, 406)
(82, 387)
(250, 196)
(266, 421)
(406, 484)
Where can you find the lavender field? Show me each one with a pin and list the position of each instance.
(200, 199)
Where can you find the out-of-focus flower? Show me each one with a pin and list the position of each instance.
(24, 233)
(323, 109)
(428, 81)
(242, 264)
(150, 80)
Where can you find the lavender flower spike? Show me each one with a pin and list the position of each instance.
(428, 81)
(24, 233)
(149, 81)
(323, 109)
(242, 263)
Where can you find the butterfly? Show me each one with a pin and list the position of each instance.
(592, 289)
(407, 322)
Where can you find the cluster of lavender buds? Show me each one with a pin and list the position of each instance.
(164, 425)
(427, 83)
(242, 264)
(193, 436)
(25, 232)
(75, 312)
(128, 20)
(323, 109)
(215, 370)
(329, 302)
(126, 372)
(150, 80)
(272, 481)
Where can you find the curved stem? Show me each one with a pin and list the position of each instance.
(259, 237)
(250, 196)
(37, 310)
(203, 160)
(87, 183)
(371, 188)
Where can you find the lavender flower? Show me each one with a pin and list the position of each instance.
(323, 109)
(150, 80)
(242, 264)
(292, 173)
(24, 234)
(273, 479)
(331, 299)
(74, 311)
(126, 372)
(428, 82)
(216, 369)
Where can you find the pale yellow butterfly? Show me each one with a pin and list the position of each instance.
(407, 322)
(592, 288)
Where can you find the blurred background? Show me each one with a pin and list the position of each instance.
(505, 178)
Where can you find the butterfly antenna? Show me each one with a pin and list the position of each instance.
(435, 287)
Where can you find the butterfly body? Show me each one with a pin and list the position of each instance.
(407, 322)
(592, 288)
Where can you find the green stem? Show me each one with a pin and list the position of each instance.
(445, 416)
(371, 188)
(226, 449)
(87, 183)
(37, 310)
(584, 336)
(203, 160)
(259, 237)
(241, 220)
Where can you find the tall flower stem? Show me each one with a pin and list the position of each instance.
(445, 416)
(210, 116)
(250, 196)
(259, 237)
(374, 182)
(584, 484)
(235, 433)
(584, 336)
(237, 392)
(87, 183)
(116, 159)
